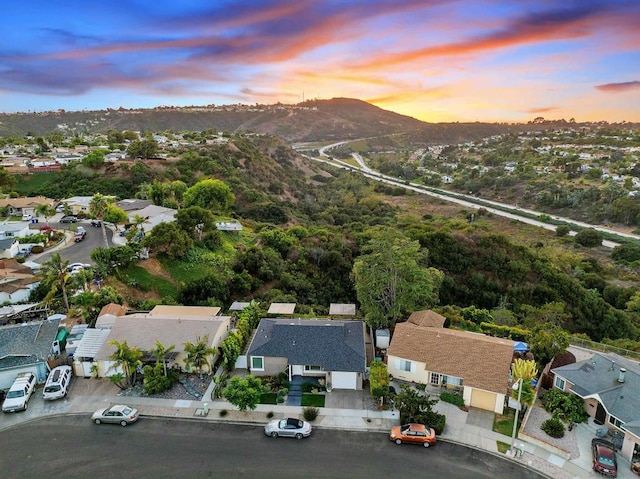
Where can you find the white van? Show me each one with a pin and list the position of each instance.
(57, 384)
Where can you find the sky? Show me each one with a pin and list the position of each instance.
(435, 60)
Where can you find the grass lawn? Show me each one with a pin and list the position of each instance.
(268, 398)
(504, 424)
(183, 271)
(315, 400)
(29, 183)
(503, 447)
(145, 281)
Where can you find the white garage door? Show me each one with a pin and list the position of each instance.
(344, 380)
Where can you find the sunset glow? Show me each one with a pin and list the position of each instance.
(436, 60)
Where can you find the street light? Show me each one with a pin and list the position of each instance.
(516, 387)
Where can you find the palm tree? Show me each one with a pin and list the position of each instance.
(55, 276)
(198, 354)
(45, 210)
(161, 353)
(129, 358)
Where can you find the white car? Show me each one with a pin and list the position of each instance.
(118, 414)
(77, 267)
(289, 427)
(17, 398)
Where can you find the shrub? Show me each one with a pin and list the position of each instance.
(378, 379)
(280, 400)
(562, 230)
(37, 249)
(223, 412)
(269, 414)
(565, 406)
(553, 427)
(310, 413)
(452, 398)
(154, 380)
(307, 387)
(437, 422)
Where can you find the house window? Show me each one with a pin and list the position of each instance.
(257, 363)
(403, 365)
(560, 383)
(435, 378)
(615, 421)
(454, 381)
(313, 368)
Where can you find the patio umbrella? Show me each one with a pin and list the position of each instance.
(520, 347)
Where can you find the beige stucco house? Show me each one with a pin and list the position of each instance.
(476, 365)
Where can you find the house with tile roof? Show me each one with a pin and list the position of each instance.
(171, 325)
(476, 365)
(320, 348)
(25, 347)
(24, 205)
(609, 384)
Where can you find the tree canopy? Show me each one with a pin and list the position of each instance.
(210, 194)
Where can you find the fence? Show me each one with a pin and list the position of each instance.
(605, 348)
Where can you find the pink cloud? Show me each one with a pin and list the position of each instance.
(619, 87)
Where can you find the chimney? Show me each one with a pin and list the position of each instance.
(621, 375)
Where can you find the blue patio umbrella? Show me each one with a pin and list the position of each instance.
(520, 347)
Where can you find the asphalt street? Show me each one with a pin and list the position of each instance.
(72, 446)
(80, 252)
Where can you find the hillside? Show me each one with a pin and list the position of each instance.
(319, 120)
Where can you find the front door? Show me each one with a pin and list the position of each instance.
(601, 415)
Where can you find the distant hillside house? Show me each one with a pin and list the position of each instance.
(24, 205)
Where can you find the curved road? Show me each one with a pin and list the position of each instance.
(460, 198)
(73, 446)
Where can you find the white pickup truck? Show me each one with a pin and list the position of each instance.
(17, 398)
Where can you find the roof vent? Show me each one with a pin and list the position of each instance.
(621, 375)
(613, 363)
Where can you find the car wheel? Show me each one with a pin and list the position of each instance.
(398, 441)
(426, 444)
(97, 421)
(26, 406)
(123, 423)
(298, 436)
(274, 434)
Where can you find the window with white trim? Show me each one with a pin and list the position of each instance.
(560, 383)
(435, 379)
(311, 367)
(257, 363)
(404, 365)
(615, 421)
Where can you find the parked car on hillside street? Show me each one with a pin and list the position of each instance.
(289, 427)
(18, 396)
(413, 434)
(118, 414)
(69, 219)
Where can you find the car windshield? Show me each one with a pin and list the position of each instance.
(606, 461)
(15, 394)
(126, 411)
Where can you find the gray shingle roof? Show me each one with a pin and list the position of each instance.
(599, 375)
(26, 343)
(334, 345)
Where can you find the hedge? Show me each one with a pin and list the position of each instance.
(491, 329)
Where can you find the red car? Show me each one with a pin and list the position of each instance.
(413, 434)
(604, 457)
(79, 236)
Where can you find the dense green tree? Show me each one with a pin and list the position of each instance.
(589, 238)
(194, 220)
(7, 180)
(414, 406)
(546, 341)
(168, 238)
(209, 194)
(627, 253)
(390, 282)
(244, 392)
(115, 215)
(110, 259)
(210, 289)
(94, 159)
(147, 148)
